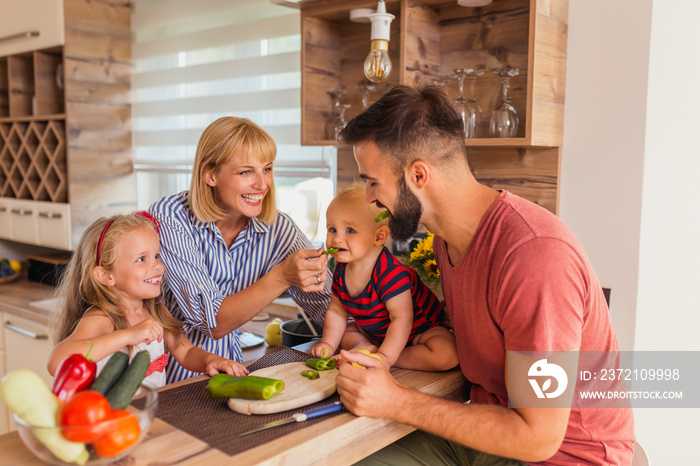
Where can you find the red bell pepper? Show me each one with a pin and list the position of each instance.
(76, 372)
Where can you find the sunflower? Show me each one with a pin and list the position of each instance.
(422, 259)
(431, 268)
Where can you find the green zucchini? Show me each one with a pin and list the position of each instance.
(321, 364)
(121, 393)
(249, 387)
(111, 372)
(382, 216)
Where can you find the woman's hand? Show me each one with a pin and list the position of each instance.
(218, 364)
(145, 331)
(305, 269)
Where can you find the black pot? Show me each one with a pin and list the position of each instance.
(295, 332)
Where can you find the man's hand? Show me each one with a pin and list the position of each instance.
(372, 391)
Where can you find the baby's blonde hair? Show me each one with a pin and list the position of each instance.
(79, 289)
(356, 194)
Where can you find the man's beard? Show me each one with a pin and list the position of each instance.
(405, 218)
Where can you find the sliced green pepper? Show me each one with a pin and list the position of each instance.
(321, 364)
(382, 216)
(249, 387)
(311, 375)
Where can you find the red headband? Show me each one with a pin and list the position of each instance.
(102, 236)
(140, 213)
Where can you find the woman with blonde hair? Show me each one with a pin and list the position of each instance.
(227, 251)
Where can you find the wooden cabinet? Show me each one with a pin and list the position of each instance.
(430, 38)
(65, 137)
(4, 412)
(30, 25)
(27, 346)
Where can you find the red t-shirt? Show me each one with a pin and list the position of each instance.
(525, 284)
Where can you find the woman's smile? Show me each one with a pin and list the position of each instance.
(253, 199)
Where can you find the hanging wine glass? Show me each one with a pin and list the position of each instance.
(367, 90)
(504, 119)
(335, 118)
(336, 122)
(440, 81)
(468, 109)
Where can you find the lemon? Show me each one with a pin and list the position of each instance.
(16, 266)
(373, 355)
(273, 333)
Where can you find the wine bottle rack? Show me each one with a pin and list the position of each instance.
(33, 160)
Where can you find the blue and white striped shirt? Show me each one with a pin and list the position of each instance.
(200, 271)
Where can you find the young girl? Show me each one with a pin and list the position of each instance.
(110, 298)
(389, 304)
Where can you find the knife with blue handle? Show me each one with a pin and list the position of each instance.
(299, 417)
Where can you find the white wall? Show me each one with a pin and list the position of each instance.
(631, 181)
(603, 153)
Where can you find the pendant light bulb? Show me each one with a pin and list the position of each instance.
(378, 64)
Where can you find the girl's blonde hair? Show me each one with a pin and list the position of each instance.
(356, 194)
(219, 141)
(79, 289)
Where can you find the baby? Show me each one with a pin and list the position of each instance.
(394, 313)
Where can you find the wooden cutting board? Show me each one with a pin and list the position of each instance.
(298, 391)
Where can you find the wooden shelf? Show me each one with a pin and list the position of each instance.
(430, 38)
(473, 142)
(57, 116)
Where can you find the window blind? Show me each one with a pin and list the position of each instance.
(198, 60)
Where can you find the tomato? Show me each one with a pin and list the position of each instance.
(124, 431)
(85, 409)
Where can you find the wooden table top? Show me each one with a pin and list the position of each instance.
(352, 438)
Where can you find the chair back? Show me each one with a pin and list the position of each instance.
(639, 458)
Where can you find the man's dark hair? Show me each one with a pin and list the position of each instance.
(409, 124)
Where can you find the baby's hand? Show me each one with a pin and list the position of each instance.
(319, 352)
(144, 332)
(219, 364)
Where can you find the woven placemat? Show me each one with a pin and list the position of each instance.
(190, 409)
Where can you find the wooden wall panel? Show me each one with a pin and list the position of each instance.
(348, 173)
(21, 74)
(49, 97)
(548, 82)
(531, 173)
(4, 89)
(420, 55)
(89, 44)
(98, 110)
(103, 18)
(321, 72)
(96, 70)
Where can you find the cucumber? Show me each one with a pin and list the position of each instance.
(28, 396)
(111, 372)
(121, 393)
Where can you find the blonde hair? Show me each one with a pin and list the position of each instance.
(355, 194)
(79, 289)
(219, 141)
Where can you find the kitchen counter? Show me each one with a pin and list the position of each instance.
(342, 439)
(16, 296)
